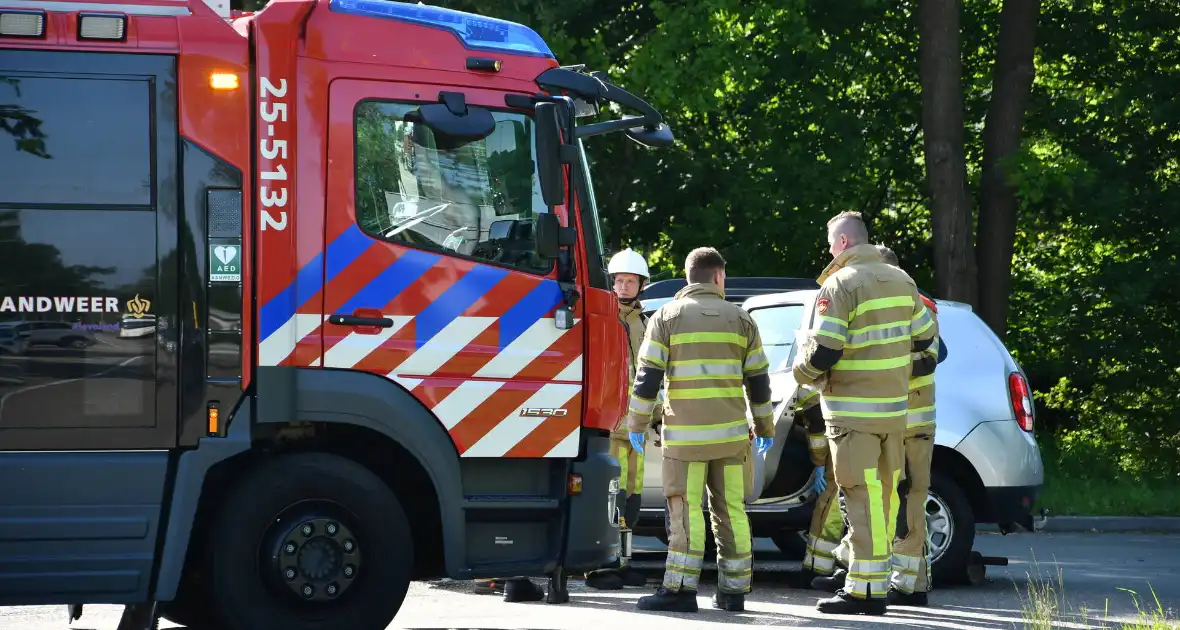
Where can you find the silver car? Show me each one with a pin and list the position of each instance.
(986, 468)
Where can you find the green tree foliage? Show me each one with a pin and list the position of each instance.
(791, 111)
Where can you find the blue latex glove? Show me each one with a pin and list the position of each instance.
(820, 484)
(637, 441)
(763, 444)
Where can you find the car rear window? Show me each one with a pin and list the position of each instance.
(777, 326)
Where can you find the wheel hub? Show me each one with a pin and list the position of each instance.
(318, 559)
(940, 527)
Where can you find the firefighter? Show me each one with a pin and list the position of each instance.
(708, 349)
(910, 580)
(827, 524)
(871, 319)
(629, 274)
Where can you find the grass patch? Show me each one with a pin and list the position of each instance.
(1044, 607)
(1075, 485)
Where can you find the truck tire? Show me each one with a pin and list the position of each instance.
(309, 541)
(950, 522)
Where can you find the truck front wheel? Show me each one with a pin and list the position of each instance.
(309, 541)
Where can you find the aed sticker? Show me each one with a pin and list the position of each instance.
(822, 304)
(225, 263)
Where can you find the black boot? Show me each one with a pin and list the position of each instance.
(730, 602)
(898, 598)
(845, 604)
(604, 580)
(632, 577)
(830, 583)
(522, 590)
(670, 601)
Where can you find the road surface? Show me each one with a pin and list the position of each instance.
(1093, 569)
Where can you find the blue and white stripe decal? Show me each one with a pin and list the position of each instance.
(279, 329)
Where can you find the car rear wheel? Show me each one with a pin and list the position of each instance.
(950, 529)
(309, 541)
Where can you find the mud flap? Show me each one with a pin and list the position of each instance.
(140, 617)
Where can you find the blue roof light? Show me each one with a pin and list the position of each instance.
(476, 32)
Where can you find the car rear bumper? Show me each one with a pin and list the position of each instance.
(1012, 504)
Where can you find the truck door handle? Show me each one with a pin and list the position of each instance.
(353, 320)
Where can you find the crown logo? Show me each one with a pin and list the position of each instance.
(137, 306)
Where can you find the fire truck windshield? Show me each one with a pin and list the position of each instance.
(476, 199)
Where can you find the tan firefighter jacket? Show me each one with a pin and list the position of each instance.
(871, 320)
(710, 352)
(920, 412)
(632, 317)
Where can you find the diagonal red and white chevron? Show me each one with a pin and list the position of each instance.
(476, 390)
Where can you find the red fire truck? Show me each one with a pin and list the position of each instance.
(381, 343)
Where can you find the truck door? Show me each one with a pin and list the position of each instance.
(438, 238)
(88, 244)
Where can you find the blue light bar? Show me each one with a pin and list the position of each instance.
(475, 32)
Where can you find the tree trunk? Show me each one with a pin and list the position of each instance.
(1012, 78)
(946, 167)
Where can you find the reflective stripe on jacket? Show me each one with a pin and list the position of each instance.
(710, 353)
(871, 320)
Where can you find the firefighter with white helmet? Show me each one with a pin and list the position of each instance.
(629, 273)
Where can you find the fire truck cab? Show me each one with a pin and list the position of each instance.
(341, 313)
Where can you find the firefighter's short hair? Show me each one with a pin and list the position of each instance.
(850, 223)
(702, 264)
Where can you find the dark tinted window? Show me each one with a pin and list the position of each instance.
(479, 199)
(75, 141)
(78, 270)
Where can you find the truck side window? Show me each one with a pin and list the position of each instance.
(60, 152)
(476, 200)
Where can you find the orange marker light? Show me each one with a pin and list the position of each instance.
(214, 423)
(575, 484)
(223, 81)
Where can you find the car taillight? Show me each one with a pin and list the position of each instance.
(1022, 404)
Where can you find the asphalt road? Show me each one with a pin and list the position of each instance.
(1092, 568)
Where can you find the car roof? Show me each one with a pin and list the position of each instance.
(794, 297)
(776, 299)
(754, 292)
(737, 289)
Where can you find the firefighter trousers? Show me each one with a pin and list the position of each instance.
(867, 469)
(911, 571)
(684, 487)
(631, 463)
(630, 480)
(827, 527)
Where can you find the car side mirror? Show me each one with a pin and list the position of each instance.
(552, 236)
(548, 154)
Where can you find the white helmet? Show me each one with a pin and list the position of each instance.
(628, 261)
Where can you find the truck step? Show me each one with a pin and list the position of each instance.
(505, 502)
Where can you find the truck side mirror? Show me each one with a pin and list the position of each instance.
(552, 236)
(548, 155)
